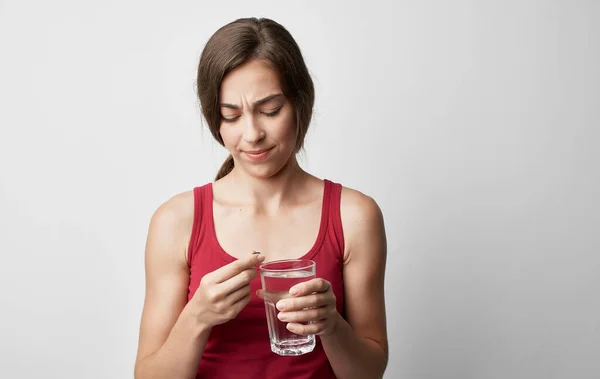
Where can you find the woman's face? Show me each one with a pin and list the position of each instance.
(258, 122)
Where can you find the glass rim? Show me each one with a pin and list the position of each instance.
(307, 264)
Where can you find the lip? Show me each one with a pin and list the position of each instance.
(257, 155)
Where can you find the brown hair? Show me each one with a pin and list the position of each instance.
(236, 43)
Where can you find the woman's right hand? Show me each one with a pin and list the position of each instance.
(223, 293)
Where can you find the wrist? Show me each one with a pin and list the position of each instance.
(337, 325)
(198, 327)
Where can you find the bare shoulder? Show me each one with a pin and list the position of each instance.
(171, 225)
(357, 206)
(177, 208)
(362, 220)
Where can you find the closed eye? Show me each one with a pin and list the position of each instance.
(233, 119)
(274, 113)
(268, 114)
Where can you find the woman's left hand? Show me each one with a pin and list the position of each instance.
(312, 301)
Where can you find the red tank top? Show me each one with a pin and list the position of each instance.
(240, 348)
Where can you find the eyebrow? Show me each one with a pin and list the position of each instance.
(255, 104)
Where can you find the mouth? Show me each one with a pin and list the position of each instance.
(257, 155)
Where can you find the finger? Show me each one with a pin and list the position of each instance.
(241, 303)
(238, 281)
(307, 315)
(232, 269)
(238, 295)
(260, 294)
(310, 286)
(303, 302)
(312, 328)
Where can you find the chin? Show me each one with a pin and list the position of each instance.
(264, 171)
(271, 167)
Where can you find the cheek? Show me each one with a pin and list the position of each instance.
(229, 136)
(287, 129)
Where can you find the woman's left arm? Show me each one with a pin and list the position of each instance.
(357, 346)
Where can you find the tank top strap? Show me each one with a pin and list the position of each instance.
(333, 192)
(202, 206)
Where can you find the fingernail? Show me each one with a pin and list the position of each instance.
(281, 305)
(294, 291)
(281, 316)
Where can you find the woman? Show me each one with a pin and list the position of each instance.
(203, 314)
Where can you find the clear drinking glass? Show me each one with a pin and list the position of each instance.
(277, 278)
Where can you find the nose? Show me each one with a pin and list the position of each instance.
(253, 133)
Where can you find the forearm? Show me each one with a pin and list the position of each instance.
(352, 356)
(179, 356)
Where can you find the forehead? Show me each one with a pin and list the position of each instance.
(251, 81)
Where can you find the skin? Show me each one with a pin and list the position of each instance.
(273, 206)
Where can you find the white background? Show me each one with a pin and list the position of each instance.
(474, 124)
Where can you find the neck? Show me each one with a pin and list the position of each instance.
(270, 192)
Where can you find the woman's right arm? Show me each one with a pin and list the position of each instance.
(173, 331)
(171, 340)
